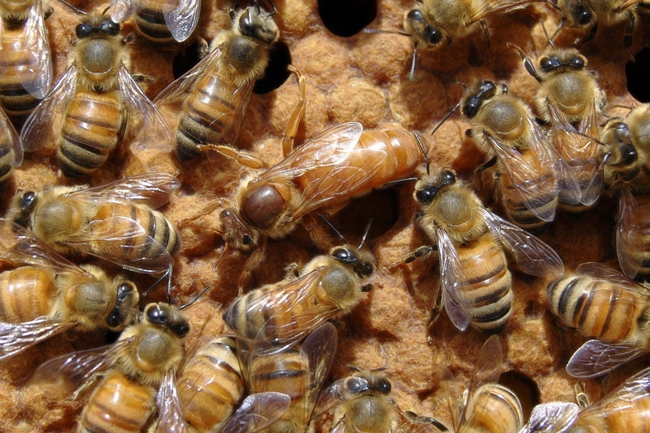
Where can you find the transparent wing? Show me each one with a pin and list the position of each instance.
(451, 274)
(555, 417)
(533, 256)
(10, 141)
(496, 7)
(16, 337)
(319, 348)
(627, 396)
(170, 412)
(147, 128)
(38, 131)
(151, 189)
(257, 412)
(604, 272)
(628, 227)
(535, 180)
(338, 392)
(121, 10)
(76, 368)
(595, 358)
(181, 20)
(35, 75)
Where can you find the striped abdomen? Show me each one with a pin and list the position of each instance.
(493, 408)
(486, 288)
(118, 405)
(16, 101)
(619, 415)
(639, 234)
(515, 208)
(26, 293)
(7, 150)
(211, 384)
(212, 114)
(132, 218)
(92, 128)
(151, 22)
(597, 308)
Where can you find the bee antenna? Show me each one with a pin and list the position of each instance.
(338, 233)
(424, 151)
(365, 234)
(554, 6)
(74, 8)
(168, 273)
(463, 85)
(444, 119)
(106, 10)
(392, 32)
(216, 265)
(194, 299)
(353, 368)
(415, 53)
(550, 40)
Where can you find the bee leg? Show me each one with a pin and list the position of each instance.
(415, 54)
(203, 48)
(436, 309)
(241, 157)
(485, 33)
(420, 252)
(592, 32)
(296, 115)
(581, 396)
(88, 384)
(254, 261)
(527, 63)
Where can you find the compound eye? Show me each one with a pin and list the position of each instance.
(488, 88)
(246, 240)
(246, 25)
(470, 109)
(341, 254)
(180, 329)
(28, 199)
(365, 269)
(156, 315)
(425, 196)
(583, 15)
(577, 63)
(545, 63)
(384, 387)
(124, 289)
(448, 178)
(83, 30)
(433, 35)
(110, 27)
(354, 385)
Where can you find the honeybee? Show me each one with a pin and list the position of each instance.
(328, 286)
(96, 106)
(624, 409)
(137, 369)
(159, 21)
(601, 303)
(502, 124)
(11, 150)
(115, 222)
(297, 371)
(49, 295)
(485, 406)
(571, 100)
(215, 93)
(26, 67)
(475, 279)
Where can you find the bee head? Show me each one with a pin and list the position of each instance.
(168, 316)
(99, 27)
(424, 33)
(486, 90)
(125, 306)
(562, 60)
(255, 23)
(349, 256)
(427, 188)
(236, 232)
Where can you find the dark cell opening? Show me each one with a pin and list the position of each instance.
(524, 388)
(186, 59)
(276, 72)
(381, 206)
(637, 76)
(347, 17)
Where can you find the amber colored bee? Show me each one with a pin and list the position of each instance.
(137, 369)
(624, 409)
(603, 304)
(215, 93)
(503, 124)
(328, 286)
(96, 106)
(25, 58)
(49, 295)
(475, 279)
(570, 99)
(298, 371)
(115, 222)
(159, 21)
(11, 150)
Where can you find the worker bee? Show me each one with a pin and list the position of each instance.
(601, 303)
(96, 106)
(215, 93)
(137, 369)
(570, 99)
(298, 371)
(624, 409)
(11, 150)
(48, 294)
(115, 222)
(328, 286)
(159, 21)
(502, 124)
(475, 279)
(26, 66)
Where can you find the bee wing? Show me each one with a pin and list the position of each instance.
(596, 358)
(625, 397)
(16, 337)
(627, 226)
(454, 396)
(121, 10)
(38, 130)
(533, 190)
(170, 418)
(257, 412)
(497, 6)
(148, 129)
(181, 17)
(451, 274)
(604, 272)
(76, 368)
(10, 140)
(340, 391)
(533, 256)
(319, 348)
(35, 75)
(151, 189)
(555, 417)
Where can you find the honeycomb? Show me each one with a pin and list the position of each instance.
(363, 78)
